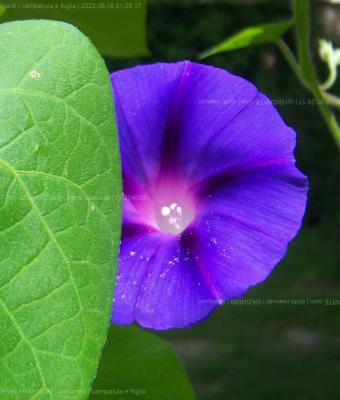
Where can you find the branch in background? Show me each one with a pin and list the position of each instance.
(301, 13)
(329, 99)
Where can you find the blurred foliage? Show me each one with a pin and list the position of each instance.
(138, 363)
(250, 36)
(117, 28)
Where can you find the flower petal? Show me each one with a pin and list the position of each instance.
(158, 284)
(144, 96)
(165, 109)
(227, 124)
(244, 226)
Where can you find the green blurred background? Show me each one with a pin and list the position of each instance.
(285, 344)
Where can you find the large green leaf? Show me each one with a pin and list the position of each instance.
(59, 210)
(253, 35)
(117, 28)
(138, 364)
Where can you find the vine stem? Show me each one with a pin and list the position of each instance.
(333, 100)
(289, 56)
(305, 68)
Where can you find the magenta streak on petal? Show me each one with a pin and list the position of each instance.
(169, 153)
(208, 185)
(139, 195)
(133, 230)
(131, 186)
(141, 198)
(189, 241)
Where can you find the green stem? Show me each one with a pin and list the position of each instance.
(289, 56)
(333, 100)
(301, 13)
(329, 98)
(329, 82)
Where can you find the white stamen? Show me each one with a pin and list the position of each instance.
(172, 220)
(173, 206)
(174, 215)
(165, 211)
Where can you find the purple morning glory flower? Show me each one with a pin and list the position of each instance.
(212, 193)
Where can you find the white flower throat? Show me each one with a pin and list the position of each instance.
(174, 217)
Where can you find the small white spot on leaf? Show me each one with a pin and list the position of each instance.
(35, 74)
